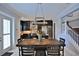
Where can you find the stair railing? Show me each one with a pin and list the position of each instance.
(72, 33)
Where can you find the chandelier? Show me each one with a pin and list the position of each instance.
(37, 17)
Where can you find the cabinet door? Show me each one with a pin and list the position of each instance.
(25, 25)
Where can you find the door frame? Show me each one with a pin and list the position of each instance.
(12, 19)
(8, 48)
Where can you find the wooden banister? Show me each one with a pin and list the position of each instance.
(68, 24)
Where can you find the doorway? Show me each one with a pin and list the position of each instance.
(5, 34)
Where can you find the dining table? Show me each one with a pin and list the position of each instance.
(39, 45)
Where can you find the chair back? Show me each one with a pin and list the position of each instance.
(62, 41)
(26, 36)
(27, 51)
(53, 51)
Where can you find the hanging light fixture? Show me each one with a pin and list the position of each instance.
(37, 17)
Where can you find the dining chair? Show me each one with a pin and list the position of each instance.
(19, 40)
(25, 36)
(53, 51)
(45, 36)
(62, 41)
(34, 35)
(28, 51)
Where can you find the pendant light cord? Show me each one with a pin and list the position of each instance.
(39, 10)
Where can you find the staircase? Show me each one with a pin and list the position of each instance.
(74, 33)
(72, 39)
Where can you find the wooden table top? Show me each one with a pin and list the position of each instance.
(36, 42)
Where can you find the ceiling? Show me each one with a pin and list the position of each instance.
(48, 10)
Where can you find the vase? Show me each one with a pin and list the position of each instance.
(39, 37)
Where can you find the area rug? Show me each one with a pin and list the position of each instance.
(7, 54)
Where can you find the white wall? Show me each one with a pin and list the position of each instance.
(17, 29)
(57, 22)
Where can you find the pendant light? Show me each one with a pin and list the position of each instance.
(39, 9)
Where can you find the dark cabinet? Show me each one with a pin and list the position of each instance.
(24, 25)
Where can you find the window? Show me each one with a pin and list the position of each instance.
(6, 33)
